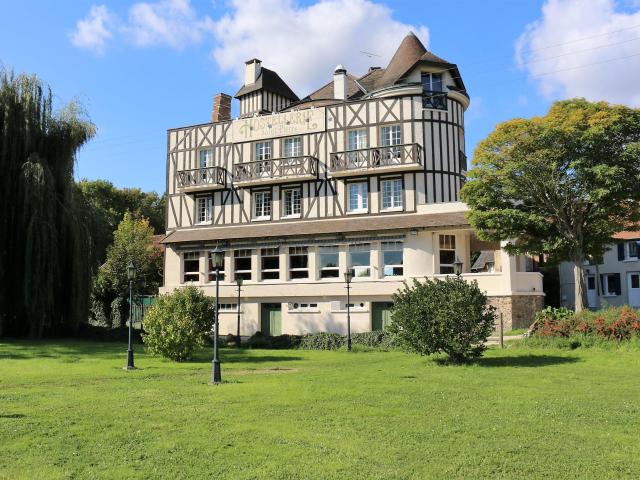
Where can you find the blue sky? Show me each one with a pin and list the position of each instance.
(140, 68)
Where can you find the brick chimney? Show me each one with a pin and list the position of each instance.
(221, 108)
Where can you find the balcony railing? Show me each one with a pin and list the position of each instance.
(436, 100)
(395, 157)
(276, 170)
(202, 178)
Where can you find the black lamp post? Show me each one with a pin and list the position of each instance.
(457, 267)
(218, 259)
(131, 275)
(348, 276)
(239, 283)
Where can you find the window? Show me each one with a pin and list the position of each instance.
(392, 259)
(262, 205)
(292, 202)
(298, 262)
(356, 140)
(328, 261)
(431, 82)
(390, 137)
(227, 307)
(292, 147)
(270, 258)
(610, 284)
(447, 253)
(211, 269)
(360, 260)
(632, 250)
(205, 158)
(191, 267)
(303, 307)
(391, 194)
(358, 197)
(204, 205)
(263, 155)
(242, 263)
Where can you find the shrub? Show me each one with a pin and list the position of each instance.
(379, 339)
(450, 316)
(322, 341)
(178, 323)
(259, 340)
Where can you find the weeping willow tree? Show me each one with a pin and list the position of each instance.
(46, 246)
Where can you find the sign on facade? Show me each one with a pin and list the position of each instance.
(279, 125)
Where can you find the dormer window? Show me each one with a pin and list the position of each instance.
(431, 82)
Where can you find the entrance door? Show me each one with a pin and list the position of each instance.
(270, 319)
(380, 315)
(633, 279)
(592, 291)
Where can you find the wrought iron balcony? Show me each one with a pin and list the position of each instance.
(276, 170)
(391, 158)
(208, 178)
(435, 100)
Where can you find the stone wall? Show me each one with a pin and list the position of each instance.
(517, 310)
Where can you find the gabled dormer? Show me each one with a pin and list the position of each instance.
(263, 91)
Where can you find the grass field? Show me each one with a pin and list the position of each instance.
(68, 410)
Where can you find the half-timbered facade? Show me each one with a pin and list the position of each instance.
(363, 174)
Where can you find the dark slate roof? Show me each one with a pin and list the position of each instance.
(269, 81)
(486, 256)
(326, 91)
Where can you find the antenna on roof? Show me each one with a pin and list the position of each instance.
(369, 54)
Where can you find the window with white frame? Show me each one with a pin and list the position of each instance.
(328, 258)
(447, 253)
(242, 263)
(610, 284)
(262, 205)
(270, 262)
(303, 307)
(391, 136)
(357, 140)
(228, 307)
(358, 197)
(263, 155)
(292, 147)
(190, 267)
(211, 268)
(431, 82)
(298, 262)
(205, 158)
(632, 250)
(204, 206)
(359, 259)
(391, 190)
(292, 202)
(392, 259)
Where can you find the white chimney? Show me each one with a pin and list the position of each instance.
(340, 83)
(252, 70)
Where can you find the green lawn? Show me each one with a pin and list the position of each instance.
(68, 410)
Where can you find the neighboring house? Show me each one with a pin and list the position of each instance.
(615, 281)
(364, 173)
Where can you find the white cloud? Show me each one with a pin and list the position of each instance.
(93, 32)
(592, 52)
(304, 43)
(167, 22)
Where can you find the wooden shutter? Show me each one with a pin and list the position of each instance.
(621, 251)
(617, 289)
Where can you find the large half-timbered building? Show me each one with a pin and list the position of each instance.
(363, 174)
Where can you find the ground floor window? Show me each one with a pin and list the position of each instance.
(242, 263)
(227, 307)
(360, 259)
(328, 261)
(298, 262)
(610, 284)
(191, 267)
(303, 307)
(447, 253)
(392, 259)
(270, 258)
(211, 268)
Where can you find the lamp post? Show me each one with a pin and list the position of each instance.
(457, 267)
(348, 276)
(239, 283)
(218, 258)
(131, 275)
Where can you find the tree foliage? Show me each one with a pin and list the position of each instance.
(450, 316)
(46, 248)
(562, 184)
(178, 323)
(132, 242)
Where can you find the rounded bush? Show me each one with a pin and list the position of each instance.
(178, 323)
(322, 341)
(450, 316)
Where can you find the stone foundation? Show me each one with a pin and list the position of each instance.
(517, 310)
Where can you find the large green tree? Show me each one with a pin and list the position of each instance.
(562, 184)
(46, 245)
